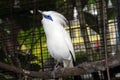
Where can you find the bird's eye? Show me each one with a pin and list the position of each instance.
(48, 17)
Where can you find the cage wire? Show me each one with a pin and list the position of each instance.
(24, 46)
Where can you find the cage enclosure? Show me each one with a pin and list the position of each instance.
(94, 27)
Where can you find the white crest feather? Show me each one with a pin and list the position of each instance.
(57, 17)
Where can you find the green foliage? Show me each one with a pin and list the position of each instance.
(31, 39)
(33, 45)
(60, 3)
(2, 78)
(26, 59)
(2, 56)
(84, 3)
(80, 57)
(91, 1)
(6, 75)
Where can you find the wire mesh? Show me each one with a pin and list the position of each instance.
(24, 42)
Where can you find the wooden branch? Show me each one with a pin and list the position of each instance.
(100, 65)
(45, 75)
(87, 67)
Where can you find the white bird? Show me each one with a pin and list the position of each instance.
(58, 39)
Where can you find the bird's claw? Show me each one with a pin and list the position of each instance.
(53, 73)
(55, 70)
(62, 70)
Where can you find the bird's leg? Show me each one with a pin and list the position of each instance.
(55, 69)
(57, 65)
(66, 63)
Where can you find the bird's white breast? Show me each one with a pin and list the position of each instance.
(56, 43)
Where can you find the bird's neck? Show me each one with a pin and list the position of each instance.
(52, 29)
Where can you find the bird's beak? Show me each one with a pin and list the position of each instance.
(40, 11)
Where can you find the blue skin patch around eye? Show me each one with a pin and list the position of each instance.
(48, 17)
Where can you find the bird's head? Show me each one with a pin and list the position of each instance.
(53, 17)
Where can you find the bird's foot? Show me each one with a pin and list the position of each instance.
(54, 71)
(62, 70)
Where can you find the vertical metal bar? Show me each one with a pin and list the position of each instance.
(41, 50)
(33, 31)
(105, 42)
(118, 16)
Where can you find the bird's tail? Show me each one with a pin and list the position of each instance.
(73, 60)
(69, 63)
(74, 64)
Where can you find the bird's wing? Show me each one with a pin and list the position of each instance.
(69, 44)
(62, 20)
